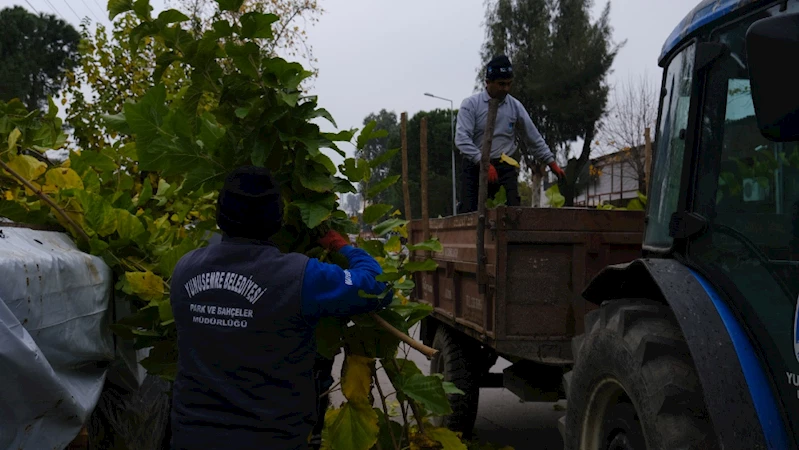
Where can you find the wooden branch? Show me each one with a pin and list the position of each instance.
(485, 161)
(385, 410)
(416, 345)
(406, 194)
(78, 229)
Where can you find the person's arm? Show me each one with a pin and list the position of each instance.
(464, 133)
(535, 142)
(329, 290)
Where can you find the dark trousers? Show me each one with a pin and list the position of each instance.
(470, 184)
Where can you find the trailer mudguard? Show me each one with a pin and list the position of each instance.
(727, 394)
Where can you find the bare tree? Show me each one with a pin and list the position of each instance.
(352, 204)
(634, 108)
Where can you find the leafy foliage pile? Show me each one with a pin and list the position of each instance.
(141, 193)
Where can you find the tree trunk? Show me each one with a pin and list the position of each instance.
(574, 168)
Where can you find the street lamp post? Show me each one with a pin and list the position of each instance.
(452, 127)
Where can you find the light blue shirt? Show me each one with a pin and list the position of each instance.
(472, 118)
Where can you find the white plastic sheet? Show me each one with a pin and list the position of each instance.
(55, 341)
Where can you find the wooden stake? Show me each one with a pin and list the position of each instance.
(485, 161)
(647, 158)
(423, 157)
(406, 194)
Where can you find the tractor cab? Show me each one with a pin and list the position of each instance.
(725, 186)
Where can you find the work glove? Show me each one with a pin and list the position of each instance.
(333, 241)
(493, 177)
(555, 168)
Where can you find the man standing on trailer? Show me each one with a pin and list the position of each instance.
(471, 125)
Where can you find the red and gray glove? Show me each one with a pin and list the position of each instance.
(555, 168)
(333, 241)
(493, 176)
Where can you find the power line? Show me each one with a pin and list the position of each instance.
(58, 13)
(90, 10)
(34, 9)
(73, 11)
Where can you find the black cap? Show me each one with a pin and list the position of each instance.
(499, 68)
(249, 204)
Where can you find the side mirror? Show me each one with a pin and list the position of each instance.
(772, 47)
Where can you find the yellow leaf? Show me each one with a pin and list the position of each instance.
(61, 178)
(508, 160)
(12, 139)
(396, 213)
(9, 195)
(27, 166)
(64, 101)
(147, 285)
(403, 230)
(354, 219)
(447, 438)
(356, 378)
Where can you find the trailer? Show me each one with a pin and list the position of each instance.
(538, 261)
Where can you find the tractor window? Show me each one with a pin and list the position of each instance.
(665, 184)
(747, 188)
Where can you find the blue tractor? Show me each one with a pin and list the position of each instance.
(696, 345)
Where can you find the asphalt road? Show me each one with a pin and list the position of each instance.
(501, 418)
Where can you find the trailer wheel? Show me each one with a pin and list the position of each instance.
(456, 360)
(634, 385)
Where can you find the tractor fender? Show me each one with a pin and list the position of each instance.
(727, 394)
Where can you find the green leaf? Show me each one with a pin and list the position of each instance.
(146, 285)
(448, 439)
(342, 185)
(556, 200)
(433, 245)
(91, 160)
(373, 213)
(368, 134)
(373, 247)
(146, 193)
(356, 378)
(355, 427)
(146, 116)
(324, 160)
(500, 199)
(323, 113)
(13, 211)
(142, 9)
(328, 336)
(383, 158)
(450, 388)
(355, 170)
(314, 213)
(168, 261)
(388, 225)
(382, 185)
(413, 312)
(427, 390)
(316, 181)
(128, 226)
(98, 214)
(171, 16)
(391, 432)
(255, 25)
(230, 5)
(162, 360)
(13, 137)
(390, 276)
(117, 7)
(421, 266)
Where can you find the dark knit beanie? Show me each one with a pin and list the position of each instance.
(249, 204)
(499, 68)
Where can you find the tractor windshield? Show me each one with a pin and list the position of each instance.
(748, 190)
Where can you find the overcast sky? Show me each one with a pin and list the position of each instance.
(375, 54)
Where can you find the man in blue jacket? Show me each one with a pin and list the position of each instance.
(245, 316)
